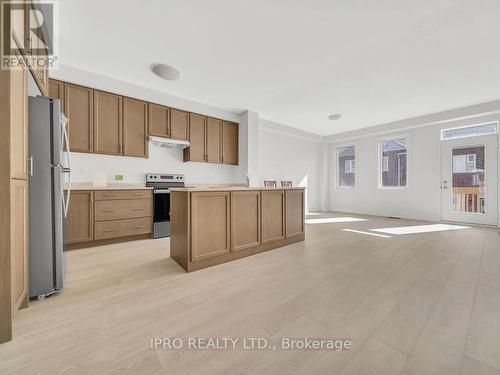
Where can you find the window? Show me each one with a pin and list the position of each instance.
(350, 166)
(393, 163)
(464, 163)
(385, 163)
(469, 131)
(346, 167)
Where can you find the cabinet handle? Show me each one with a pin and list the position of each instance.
(110, 230)
(139, 227)
(138, 209)
(109, 211)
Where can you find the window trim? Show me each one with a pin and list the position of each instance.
(337, 172)
(379, 161)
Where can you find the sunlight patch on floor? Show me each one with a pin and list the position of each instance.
(368, 233)
(420, 229)
(327, 220)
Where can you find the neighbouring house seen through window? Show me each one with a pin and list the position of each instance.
(346, 167)
(394, 163)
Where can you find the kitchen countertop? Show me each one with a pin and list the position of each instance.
(233, 188)
(89, 186)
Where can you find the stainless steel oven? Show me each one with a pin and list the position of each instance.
(161, 184)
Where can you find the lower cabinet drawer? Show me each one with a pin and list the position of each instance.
(101, 195)
(122, 228)
(123, 209)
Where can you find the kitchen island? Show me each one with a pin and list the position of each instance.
(210, 226)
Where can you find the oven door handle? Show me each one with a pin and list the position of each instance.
(162, 191)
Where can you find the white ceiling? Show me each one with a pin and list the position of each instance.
(296, 62)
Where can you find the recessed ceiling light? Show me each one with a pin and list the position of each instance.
(165, 71)
(334, 117)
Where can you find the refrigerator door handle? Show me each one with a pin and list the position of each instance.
(67, 169)
(30, 166)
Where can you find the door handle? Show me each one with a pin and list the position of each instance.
(30, 166)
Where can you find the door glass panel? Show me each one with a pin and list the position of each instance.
(468, 194)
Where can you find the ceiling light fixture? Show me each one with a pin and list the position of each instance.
(165, 71)
(334, 117)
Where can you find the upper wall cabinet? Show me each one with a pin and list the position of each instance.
(107, 123)
(135, 128)
(56, 90)
(214, 140)
(230, 143)
(159, 120)
(179, 124)
(78, 107)
(196, 150)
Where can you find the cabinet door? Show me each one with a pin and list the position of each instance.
(210, 221)
(273, 215)
(245, 220)
(19, 243)
(80, 220)
(159, 120)
(19, 123)
(230, 143)
(294, 213)
(135, 128)
(196, 150)
(214, 140)
(179, 124)
(56, 91)
(78, 107)
(107, 123)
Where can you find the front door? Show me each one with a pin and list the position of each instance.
(469, 180)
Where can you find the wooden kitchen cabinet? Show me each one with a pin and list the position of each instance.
(80, 219)
(294, 213)
(119, 209)
(56, 91)
(214, 140)
(159, 120)
(210, 220)
(179, 124)
(135, 128)
(19, 243)
(108, 109)
(229, 143)
(78, 107)
(245, 220)
(196, 150)
(273, 215)
(19, 121)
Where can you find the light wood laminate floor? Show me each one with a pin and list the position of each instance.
(426, 303)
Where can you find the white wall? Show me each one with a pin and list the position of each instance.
(286, 154)
(422, 198)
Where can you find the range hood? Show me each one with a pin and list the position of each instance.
(168, 142)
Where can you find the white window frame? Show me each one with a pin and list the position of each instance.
(337, 172)
(380, 162)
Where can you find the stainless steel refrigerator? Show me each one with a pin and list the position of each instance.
(49, 171)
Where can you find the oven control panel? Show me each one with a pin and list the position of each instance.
(156, 177)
